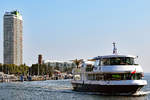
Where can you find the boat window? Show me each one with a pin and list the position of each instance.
(95, 76)
(89, 68)
(97, 62)
(126, 76)
(121, 76)
(99, 76)
(118, 61)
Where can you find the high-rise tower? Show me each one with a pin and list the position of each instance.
(12, 38)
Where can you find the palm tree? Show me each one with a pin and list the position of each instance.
(77, 62)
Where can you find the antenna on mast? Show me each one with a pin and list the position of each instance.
(114, 48)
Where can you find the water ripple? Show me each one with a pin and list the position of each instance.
(56, 90)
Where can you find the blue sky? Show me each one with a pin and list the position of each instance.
(69, 29)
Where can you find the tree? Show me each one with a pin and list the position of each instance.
(77, 62)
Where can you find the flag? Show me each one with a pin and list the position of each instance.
(133, 72)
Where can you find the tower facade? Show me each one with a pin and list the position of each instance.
(12, 38)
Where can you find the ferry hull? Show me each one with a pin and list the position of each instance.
(105, 88)
(110, 89)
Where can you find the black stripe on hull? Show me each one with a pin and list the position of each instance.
(110, 89)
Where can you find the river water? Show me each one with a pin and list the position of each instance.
(57, 90)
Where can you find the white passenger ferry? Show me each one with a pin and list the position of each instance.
(111, 74)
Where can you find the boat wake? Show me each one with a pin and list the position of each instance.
(141, 93)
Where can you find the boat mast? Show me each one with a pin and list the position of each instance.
(114, 48)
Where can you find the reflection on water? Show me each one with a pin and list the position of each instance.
(56, 90)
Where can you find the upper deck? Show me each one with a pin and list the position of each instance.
(112, 56)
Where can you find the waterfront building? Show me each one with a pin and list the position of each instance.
(61, 65)
(12, 37)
